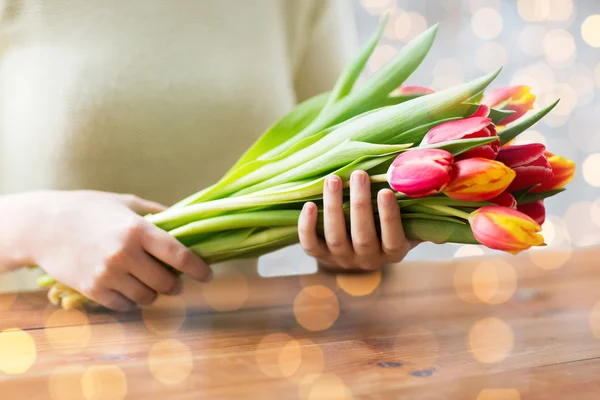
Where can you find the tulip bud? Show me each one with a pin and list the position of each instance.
(478, 179)
(420, 172)
(563, 170)
(472, 127)
(529, 162)
(482, 111)
(534, 210)
(412, 90)
(505, 200)
(505, 229)
(515, 98)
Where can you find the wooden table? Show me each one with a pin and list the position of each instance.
(525, 327)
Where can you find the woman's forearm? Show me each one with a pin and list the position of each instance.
(17, 213)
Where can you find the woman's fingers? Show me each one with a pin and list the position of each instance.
(393, 240)
(364, 235)
(140, 206)
(148, 271)
(169, 250)
(307, 232)
(130, 287)
(336, 235)
(110, 299)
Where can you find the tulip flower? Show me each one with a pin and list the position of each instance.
(515, 98)
(505, 200)
(563, 171)
(505, 229)
(413, 90)
(467, 128)
(529, 162)
(478, 179)
(420, 172)
(535, 210)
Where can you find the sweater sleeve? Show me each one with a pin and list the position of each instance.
(330, 44)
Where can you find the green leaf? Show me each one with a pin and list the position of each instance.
(438, 231)
(532, 197)
(497, 116)
(377, 88)
(512, 132)
(468, 108)
(456, 147)
(432, 217)
(348, 78)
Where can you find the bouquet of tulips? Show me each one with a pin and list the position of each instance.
(447, 155)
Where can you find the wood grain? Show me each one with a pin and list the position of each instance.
(483, 328)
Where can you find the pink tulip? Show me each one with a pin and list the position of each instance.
(472, 127)
(534, 210)
(529, 163)
(413, 90)
(420, 172)
(505, 199)
(514, 98)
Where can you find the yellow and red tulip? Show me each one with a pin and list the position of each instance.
(467, 128)
(563, 171)
(505, 229)
(529, 163)
(535, 210)
(505, 199)
(478, 179)
(420, 172)
(515, 98)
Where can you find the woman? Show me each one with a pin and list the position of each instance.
(158, 99)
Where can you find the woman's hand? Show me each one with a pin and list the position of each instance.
(98, 244)
(362, 249)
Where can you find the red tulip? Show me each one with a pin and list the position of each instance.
(482, 111)
(505, 229)
(420, 172)
(563, 171)
(505, 200)
(478, 179)
(472, 127)
(529, 162)
(515, 98)
(534, 210)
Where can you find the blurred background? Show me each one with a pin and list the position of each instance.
(551, 45)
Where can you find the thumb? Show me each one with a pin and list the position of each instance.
(141, 206)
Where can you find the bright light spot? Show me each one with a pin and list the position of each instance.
(567, 96)
(475, 5)
(486, 23)
(316, 308)
(382, 54)
(580, 224)
(65, 383)
(591, 169)
(559, 46)
(415, 24)
(170, 361)
(559, 250)
(376, 7)
(560, 10)
(531, 38)
(166, 315)
(400, 25)
(359, 284)
(584, 87)
(227, 293)
(491, 340)
(534, 10)
(529, 137)
(68, 331)
(539, 76)
(104, 382)
(491, 56)
(469, 250)
(17, 351)
(499, 394)
(277, 355)
(494, 282)
(324, 387)
(590, 30)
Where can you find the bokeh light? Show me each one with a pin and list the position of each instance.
(68, 332)
(104, 382)
(316, 308)
(559, 46)
(590, 168)
(491, 340)
(324, 387)
(382, 54)
(582, 229)
(534, 10)
(65, 383)
(376, 7)
(494, 281)
(278, 355)
(447, 72)
(416, 25)
(491, 56)
(590, 30)
(559, 249)
(359, 284)
(475, 5)
(17, 351)
(530, 38)
(486, 23)
(469, 250)
(226, 294)
(499, 394)
(166, 315)
(170, 361)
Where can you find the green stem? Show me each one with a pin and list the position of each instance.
(450, 211)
